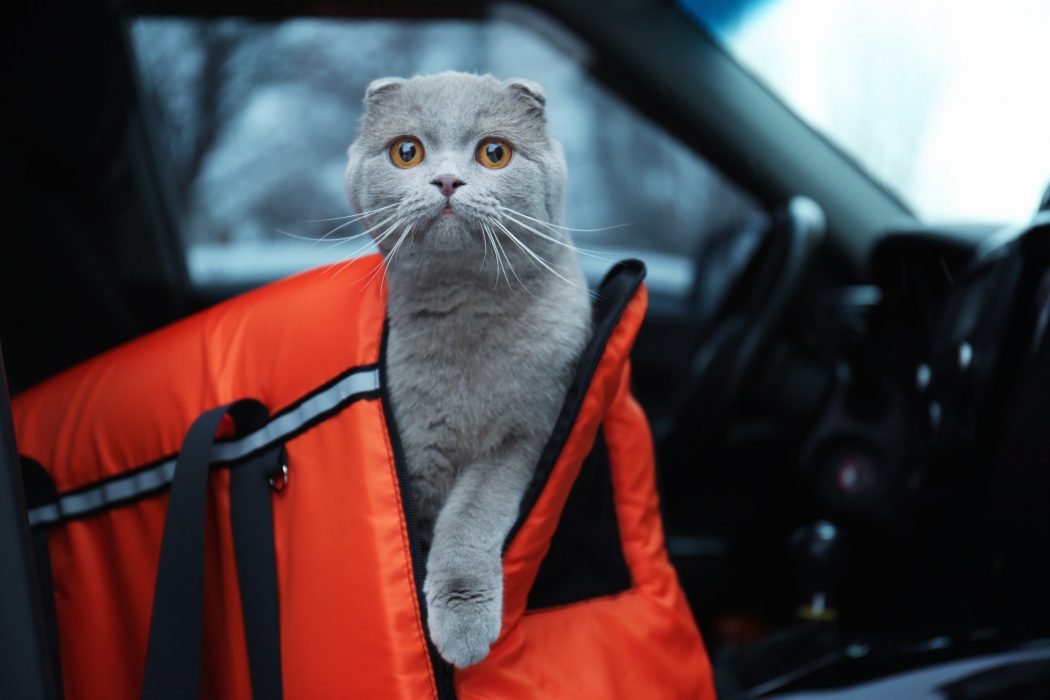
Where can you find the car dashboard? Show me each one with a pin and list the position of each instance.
(923, 469)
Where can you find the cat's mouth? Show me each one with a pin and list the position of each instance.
(447, 212)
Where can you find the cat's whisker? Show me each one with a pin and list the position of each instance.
(559, 226)
(520, 281)
(355, 218)
(541, 260)
(378, 239)
(389, 231)
(342, 241)
(510, 264)
(401, 238)
(502, 251)
(338, 269)
(389, 257)
(484, 248)
(502, 268)
(338, 228)
(552, 239)
(512, 270)
(519, 245)
(336, 242)
(351, 216)
(383, 265)
(484, 244)
(380, 263)
(537, 261)
(298, 237)
(356, 235)
(393, 251)
(495, 252)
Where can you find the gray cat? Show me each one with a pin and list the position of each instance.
(461, 186)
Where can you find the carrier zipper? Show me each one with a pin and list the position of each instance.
(614, 295)
(443, 680)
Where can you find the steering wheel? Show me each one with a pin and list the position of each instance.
(728, 348)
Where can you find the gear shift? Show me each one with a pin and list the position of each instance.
(818, 570)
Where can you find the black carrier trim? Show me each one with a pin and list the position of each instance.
(442, 669)
(586, 558)
(614, 294)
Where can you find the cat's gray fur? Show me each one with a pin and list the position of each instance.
(478, 361)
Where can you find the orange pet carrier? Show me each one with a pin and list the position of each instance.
(224, 513)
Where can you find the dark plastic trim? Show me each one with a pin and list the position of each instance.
(25, 663)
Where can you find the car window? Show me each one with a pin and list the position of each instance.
(254, 119)
(943, 101)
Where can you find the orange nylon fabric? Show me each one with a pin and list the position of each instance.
(350, 619)
(642, 643)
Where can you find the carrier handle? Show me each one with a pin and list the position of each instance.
(175, 647)
(251, 516)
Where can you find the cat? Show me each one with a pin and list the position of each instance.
(462, 189)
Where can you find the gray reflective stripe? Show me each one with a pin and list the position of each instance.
(44, 514)
(114, 491)
(287, 423)
(128, 487)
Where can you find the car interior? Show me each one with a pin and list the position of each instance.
(848, 404)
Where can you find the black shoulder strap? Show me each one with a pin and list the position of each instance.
(174, 651)
(251, 513)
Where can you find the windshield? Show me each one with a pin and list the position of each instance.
(253, 120)
(944, 102)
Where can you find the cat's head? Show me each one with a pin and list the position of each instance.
(449, 159)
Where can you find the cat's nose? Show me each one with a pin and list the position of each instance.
(447, 183)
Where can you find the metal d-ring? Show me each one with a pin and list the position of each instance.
(280, 483)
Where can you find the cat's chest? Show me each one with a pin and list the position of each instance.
(445, 380)
(455, 397)
(459, 388)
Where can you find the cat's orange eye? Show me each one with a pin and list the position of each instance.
(406, 152)
(494, 153)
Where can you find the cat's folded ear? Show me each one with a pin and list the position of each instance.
(380, 88)
(529, 92)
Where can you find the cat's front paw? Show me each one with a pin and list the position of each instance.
(464, 614)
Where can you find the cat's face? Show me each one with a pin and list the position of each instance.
(444, 161)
